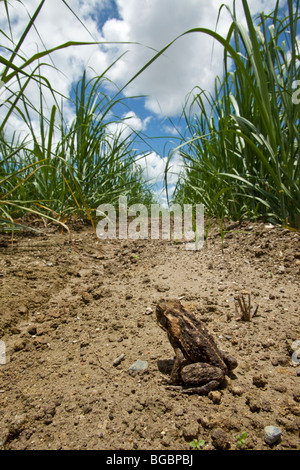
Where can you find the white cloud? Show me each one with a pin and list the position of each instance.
(189, 62)
(129, 123)
(154, 166)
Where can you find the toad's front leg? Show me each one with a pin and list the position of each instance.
(179, 363)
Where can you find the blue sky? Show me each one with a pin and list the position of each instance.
(189, 62)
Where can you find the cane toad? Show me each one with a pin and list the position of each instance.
(199, 365)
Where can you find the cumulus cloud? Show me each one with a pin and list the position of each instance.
(54, 25)
(129, 123)
(153, 166)
(191, 61)
(187, 63)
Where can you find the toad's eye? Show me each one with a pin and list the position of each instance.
(163, 322)
(159, 315)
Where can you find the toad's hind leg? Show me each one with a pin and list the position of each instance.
(201, 378)
(202, 390)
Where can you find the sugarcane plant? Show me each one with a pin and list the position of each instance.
(241, 147)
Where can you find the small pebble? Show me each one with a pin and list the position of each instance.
(162, 288)
(148, 311)
(215, 396)
(220, 439)
(118, 359)
(138, 366)
(229, 337)
(191, 431)
(272, 434)
(237, 391)
(179, 411)
(281, 270)
(296, 396)
(19, 344)
(259, 381)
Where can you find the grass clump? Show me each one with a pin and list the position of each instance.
(60, 170)
(241, 147)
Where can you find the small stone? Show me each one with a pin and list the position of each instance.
(215, 396)
(266, 405)
(191, 431)
(15, 331)
(20, 344)
(281, 270)
(296, 396)
(148, 311)
(268, 343)
(86, 297)
(272, 434)
(138, 366)
(280, 361)
(165, 441)
(280, 388)
(115, 338)
(179, 411)
(41, 331)
(31, 330)
(237, 391)
(259, 381)
(254, 404)
(23, 310)
(119, 359)
(220, 439)
(162, 288)
(87, 409)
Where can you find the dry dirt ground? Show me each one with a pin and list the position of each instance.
(67, 314)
